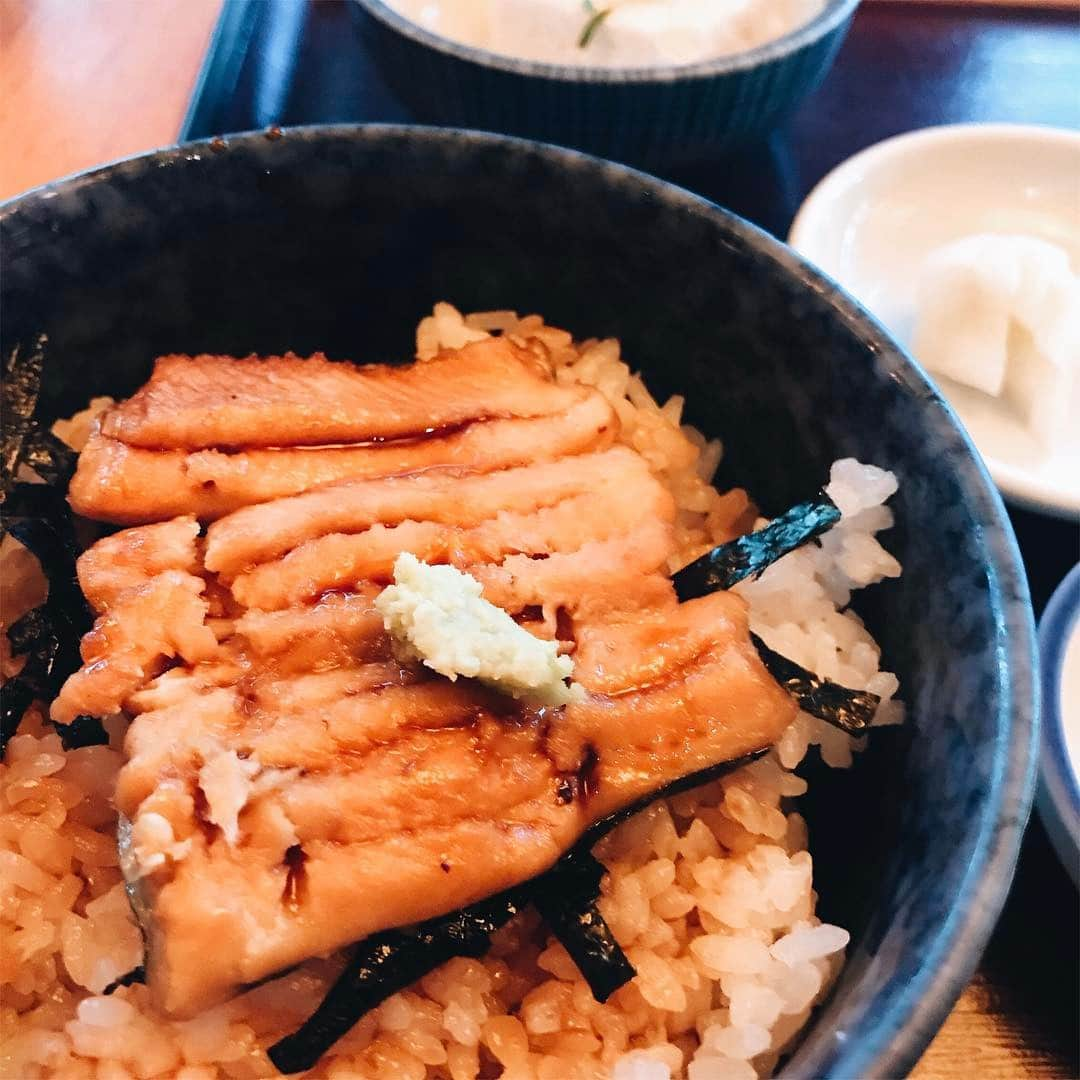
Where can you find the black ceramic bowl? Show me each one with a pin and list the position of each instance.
(338, 238)
(648, 115)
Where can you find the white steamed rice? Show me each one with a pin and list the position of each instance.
(710, 892)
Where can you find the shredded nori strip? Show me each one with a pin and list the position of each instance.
(38, 673)
(561, 899)
(135, 975)
(33, 501)
(53, 656)
(48, 535)
(82, 731)
(386, 963)
(51, 639)
(51, 539)
(17, 696)
(389, 961)
(50, 634)
(601, 828)
(51, 458)
(51, 660)
(850, 710)
(747, 556)
(29, 631)
(38, 517)
(19, 391)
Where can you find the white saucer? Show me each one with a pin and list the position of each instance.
(1058, 796)
(873, 220)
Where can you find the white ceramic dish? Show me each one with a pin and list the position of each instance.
(646, 33)
(873, 220)
(1058, 795)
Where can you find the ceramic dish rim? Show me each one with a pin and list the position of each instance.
(826, 21)
(914, 1013)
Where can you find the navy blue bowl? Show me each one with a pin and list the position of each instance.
(650, 115)
(338, 238)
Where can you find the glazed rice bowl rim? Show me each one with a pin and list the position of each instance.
(903, 1029)
(832, 15)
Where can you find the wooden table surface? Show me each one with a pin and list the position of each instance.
(86, 81)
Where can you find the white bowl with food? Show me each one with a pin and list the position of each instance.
(648, 81)
(965, 242)
(1058, 796)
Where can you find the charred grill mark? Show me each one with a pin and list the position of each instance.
(514, 713)
(564, 628)
(581, 784)
(588, 774)
(295, 890)
(499, 706)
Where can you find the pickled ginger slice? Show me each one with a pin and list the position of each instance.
(1001, 314)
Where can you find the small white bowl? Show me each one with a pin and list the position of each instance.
(1058, 796)
(873, 220)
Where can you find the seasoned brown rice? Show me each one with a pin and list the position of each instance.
(710, 892)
